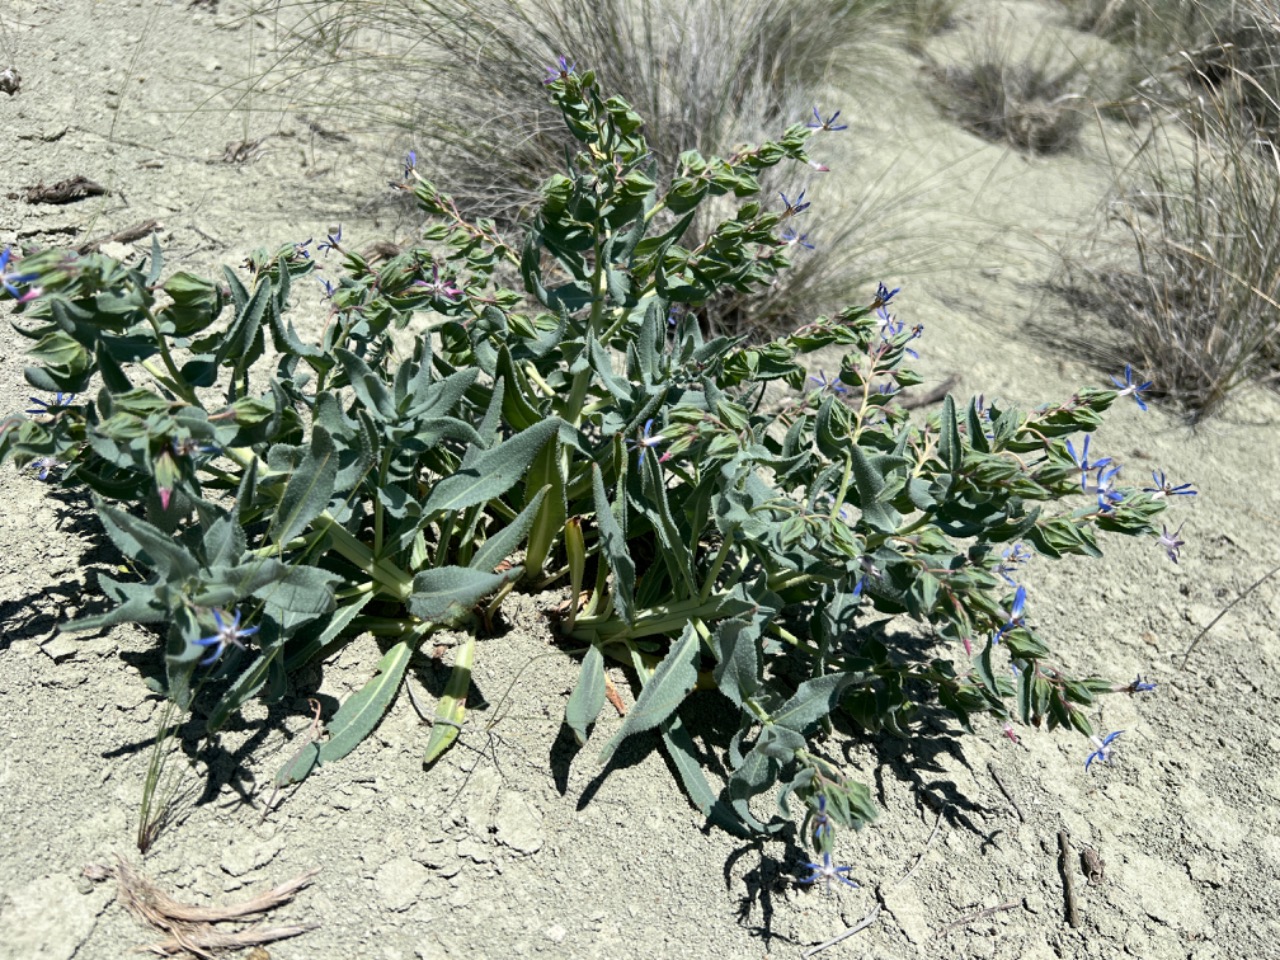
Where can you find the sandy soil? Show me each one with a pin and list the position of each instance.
(513, 845)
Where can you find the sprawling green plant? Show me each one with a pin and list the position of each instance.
(721, 523)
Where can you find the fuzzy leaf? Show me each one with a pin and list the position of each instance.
(310, 486)
(445, 595)
(357, 717)
(493, 472)
(671, 682)
(587, 697)
(613, 547)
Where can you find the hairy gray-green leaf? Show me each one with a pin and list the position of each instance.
(587, 697)
(493, 472)
(357, 717)
(812, 701)
(738, 672)
(446, 594)
(613, 547)
(310, 486)
(139, 540)
(671, 682)
(504, 543)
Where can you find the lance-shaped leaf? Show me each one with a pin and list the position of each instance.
(666, 689)
(452, 708)
(613, 547)
(546, 471)
(504, 543)
(310, 486)
(300, 655)
(445, 595)
(493, 472)
(368, 386)
(587, 697)
(870, 484)
(812, 701)
(684, 757)
(738, 672)
(136, 603)
(139, 540)
(675, 552)
(305, 590)
(357, 717)
(949, 448)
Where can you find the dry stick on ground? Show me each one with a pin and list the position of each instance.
(1068, 879)
(190, 927)
(127, 235)
(963, 921)
(870, 918)
(1005, 790)
(1223, 612)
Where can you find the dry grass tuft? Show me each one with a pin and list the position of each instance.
(1033, 102)
(1195, 293)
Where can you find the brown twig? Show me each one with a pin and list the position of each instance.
(870, 918)
(127, 235)
(1068, 879)
(976, 916)
(1005, 790)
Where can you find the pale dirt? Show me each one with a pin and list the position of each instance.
(512, 846)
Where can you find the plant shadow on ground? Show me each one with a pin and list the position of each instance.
(41, 611)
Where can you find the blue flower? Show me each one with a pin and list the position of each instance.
(827, 871)
(331, 242)
(44, 466)
(644, 441)
(410, 163)
(1108, 497)
(191, 447)
(10, 280)
(793, 208)
(1140, 686)
(329, 288)
(560, 71)
(884, 295)
(868, 571)
(1010, 559)
(791, 238)
(228, 635)
(44, 406)
(835, 386)
(1131, 389)
(1103, 751)
(1082, 461)
(440, 289)
(1016, 618)
(817, 123)
(300, 249)
(1170, 541)
(1164, 488)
